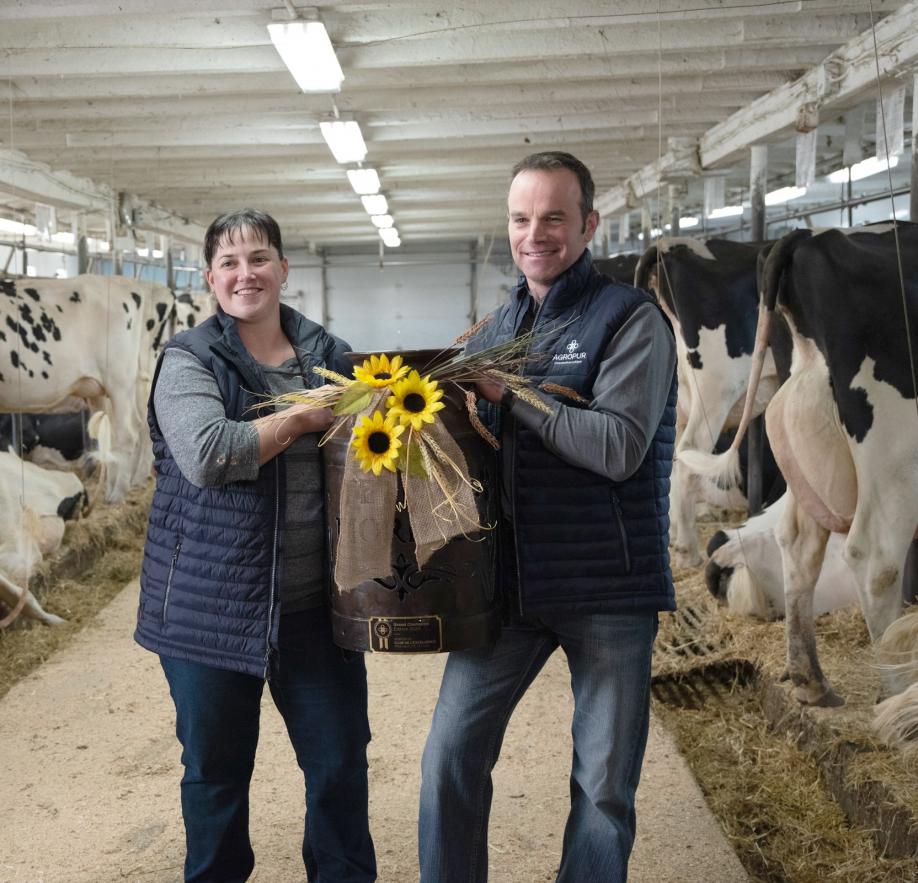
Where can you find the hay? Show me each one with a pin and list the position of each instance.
(765, 773)
(99, 555)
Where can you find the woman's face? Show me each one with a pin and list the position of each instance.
(246, 275)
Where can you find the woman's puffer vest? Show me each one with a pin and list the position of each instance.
(584, 543)
(210, 574)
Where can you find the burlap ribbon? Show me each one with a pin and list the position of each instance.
(440, 507)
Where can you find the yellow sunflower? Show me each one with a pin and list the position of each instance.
(415, 400)
(378, 371)
(376, 443)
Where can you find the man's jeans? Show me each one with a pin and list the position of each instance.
(321, 693)
(609, 659)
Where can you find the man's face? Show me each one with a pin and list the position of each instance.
(547, 232)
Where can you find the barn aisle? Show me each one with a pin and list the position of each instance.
(90, 773)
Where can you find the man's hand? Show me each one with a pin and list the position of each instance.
(492, 390)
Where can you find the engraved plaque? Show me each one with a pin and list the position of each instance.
(406, 634)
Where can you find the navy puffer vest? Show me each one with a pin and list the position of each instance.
(584, 543)
(210, 574)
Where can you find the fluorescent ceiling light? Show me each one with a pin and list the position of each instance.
(63, 237)
(784, 194)
(364, 181)
(726, 211)
(382, 221)
(864, 169)
(688, 221)
(308, 53)
(375, 205)
(16, 228)
(390, 237)
(345, 140)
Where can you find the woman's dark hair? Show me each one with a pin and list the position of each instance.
(227, 225)
(550, 161)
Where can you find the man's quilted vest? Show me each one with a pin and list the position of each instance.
(584, 543)
(210, 574)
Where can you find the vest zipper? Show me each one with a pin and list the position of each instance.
(273, 570)
(620, 518)
(516, 545)
(175, 554)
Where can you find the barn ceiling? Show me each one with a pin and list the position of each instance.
(188, 110)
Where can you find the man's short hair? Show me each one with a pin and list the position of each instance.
(226, 226)
(551, 160)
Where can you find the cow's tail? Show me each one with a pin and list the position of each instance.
(647, 261)
(724, 469)
(99, 428)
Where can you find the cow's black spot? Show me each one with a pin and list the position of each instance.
(14, 358)
(694, 359)
(60, 309)
(136, 298)
(47, 357)
(75, 298)
(7, 287)
(130, 324)
(124, 307)
(2, 335)
(32, 293)
(150, 324)
(25, 314)
(12, 324)
(33, 346)
(161, 311)
(44, 374)
(191, 321)
(39, 333)
(31, 372)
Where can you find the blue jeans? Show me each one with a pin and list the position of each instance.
(609, 659)
(321, 693)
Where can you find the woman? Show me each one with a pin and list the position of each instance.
(234, 570)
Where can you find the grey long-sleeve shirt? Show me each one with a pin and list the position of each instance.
(611, 437)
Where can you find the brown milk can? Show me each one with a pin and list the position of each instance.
(451, 603)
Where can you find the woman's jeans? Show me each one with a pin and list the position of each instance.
(609, 659)
(321, 693)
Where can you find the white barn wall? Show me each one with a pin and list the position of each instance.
(418, 299)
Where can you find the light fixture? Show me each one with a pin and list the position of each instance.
(63, 237)
(726, 211)
(375, 205)
(308, 53)
(784, 194)
(390, 237)
(364, 181)
(344, 139)
(863, 169)
(687, 222)
(382, 221)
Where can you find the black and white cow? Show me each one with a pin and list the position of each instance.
(51, 440)
(620, 267)
(844, 427)
(89, 340)
(708, 291)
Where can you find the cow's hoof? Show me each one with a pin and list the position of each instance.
(823, 697)
(684, 559)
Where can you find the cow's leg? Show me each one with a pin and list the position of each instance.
(876, 549)
(803, 547)
(682, 499)
(11, 594)
(121, 412)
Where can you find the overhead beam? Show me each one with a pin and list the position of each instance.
(841, 80)
(30, 180)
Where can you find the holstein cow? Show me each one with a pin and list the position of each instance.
(34, 503)
(620, 267)
(744, 569)
(92, 340)
(708, 291)
(54, 441)
(843, 427)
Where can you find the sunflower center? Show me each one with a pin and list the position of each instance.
(383, 375)
(378, 442)
(414, 402)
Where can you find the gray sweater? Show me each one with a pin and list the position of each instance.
(212, 451)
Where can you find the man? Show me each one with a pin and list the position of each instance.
(584, 562)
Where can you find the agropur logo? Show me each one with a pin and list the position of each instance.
(573, 354)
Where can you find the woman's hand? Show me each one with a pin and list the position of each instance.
(492, 390)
